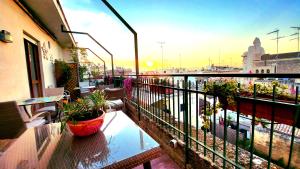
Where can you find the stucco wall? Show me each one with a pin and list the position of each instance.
(13, 72)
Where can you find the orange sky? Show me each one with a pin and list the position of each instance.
(190, 37)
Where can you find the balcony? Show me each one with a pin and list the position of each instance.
(181, 107)
(198, 120)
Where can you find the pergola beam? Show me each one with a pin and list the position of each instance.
(85, 33)
(135, 47)
(97, 57)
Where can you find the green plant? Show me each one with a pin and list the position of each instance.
(225, 89)
(82, 71)
(266, 90)
(162, 81)
(62, 73)
(229, 120)
(83, 52)
(95, 73)
(206, 116)
(82, 109)
(74, 54)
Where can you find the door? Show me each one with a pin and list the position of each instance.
(33, 68)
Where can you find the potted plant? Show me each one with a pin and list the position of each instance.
(159, 89)
(229, 94)
(84, 116)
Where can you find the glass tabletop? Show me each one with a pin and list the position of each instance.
(119, 138)
(39, 100)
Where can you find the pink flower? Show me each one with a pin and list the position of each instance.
(128, 87)
(293, 91)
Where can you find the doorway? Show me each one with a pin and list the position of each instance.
(33, 68)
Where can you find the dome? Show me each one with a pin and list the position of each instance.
(256, 42)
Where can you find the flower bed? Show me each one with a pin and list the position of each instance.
(229, 94)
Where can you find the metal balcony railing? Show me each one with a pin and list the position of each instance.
(181, 106)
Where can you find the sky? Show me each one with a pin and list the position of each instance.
(194, 33)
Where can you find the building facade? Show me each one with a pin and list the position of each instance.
(256, 61)
(27, 62)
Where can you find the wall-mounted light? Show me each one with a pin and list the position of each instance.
(6, 37)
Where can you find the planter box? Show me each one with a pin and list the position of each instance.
(284, 112)
(161, 90)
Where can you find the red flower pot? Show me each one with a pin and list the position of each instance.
(283, 113)
(88, 127)
(161, 90)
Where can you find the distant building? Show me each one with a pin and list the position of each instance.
(256, 61)
(221, 69)
(281, 63)
(253, 54)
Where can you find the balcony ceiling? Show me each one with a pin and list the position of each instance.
(50, 16)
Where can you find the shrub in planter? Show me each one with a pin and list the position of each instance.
(228, 94)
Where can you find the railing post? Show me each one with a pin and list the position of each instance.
(138, 97)
(185, 118)
(135, 38)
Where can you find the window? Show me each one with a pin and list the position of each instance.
(257, 71)
(262, 71)
(268, 70)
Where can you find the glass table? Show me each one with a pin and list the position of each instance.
(119, 144)
(39, 100)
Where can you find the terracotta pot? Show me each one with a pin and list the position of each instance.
(88, 127)
(283, 113)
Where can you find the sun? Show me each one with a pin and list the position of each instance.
(149, 63)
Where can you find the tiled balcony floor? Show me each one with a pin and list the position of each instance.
(163, 162)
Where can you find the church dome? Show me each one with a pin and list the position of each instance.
(256, 42)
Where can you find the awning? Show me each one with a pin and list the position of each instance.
(49, 15)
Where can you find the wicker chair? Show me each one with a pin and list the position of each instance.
(14, 122)
(115, 98)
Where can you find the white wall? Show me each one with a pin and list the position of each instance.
(13, 72)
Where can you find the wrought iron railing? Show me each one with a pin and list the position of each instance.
(229, 143)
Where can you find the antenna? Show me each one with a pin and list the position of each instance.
(162, 54)
(277, 37)
(219, 57)
(277, 42)
(297, 33)
(179, 61)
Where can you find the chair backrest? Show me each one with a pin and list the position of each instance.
(54, 91)
(11, 123)
(114, 93)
